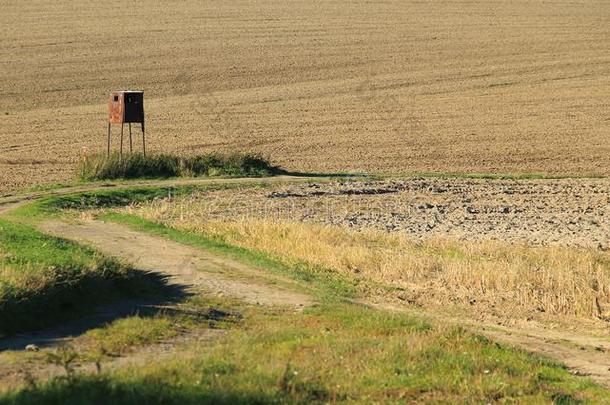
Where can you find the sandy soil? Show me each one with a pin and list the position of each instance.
(390, 85)
(535, 212)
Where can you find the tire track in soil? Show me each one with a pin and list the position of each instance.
(194, 270)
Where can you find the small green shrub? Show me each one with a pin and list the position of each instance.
(131, 166)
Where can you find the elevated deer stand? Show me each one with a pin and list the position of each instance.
(126, 107)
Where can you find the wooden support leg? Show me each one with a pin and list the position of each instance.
(130, 143)
(143, 141)
(121, 153)
(108, 139)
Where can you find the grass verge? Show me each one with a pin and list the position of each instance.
(331, 353)
(45, 280)
(137, 165)
(57, 205)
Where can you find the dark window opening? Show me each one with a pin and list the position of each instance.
(116, 98)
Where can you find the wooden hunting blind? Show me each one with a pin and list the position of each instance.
(126, 107)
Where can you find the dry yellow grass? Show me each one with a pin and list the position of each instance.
(391, 85)
(499, 279)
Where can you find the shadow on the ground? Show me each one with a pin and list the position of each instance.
(156, 294)
(323, 175)
(98, 389)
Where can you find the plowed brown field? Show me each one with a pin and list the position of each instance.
(336, 85)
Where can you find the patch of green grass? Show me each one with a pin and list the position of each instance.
(110, 198)
(329, 353)
(131, 166)
(47, 187)
(122, 335)
(326, 280)
(55, 205)
(44, 279)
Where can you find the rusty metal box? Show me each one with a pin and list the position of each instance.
(126, 107)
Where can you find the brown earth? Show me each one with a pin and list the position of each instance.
(391, 85)
(534, 212)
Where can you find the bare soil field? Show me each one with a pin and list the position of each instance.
(391, 86)
(571, 213)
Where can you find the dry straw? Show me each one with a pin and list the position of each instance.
(506, 278)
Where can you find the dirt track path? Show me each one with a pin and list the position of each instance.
(192, 269)
(181, 265)
(187, 271)
(583, 355)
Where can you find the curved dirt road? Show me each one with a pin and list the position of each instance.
(192, 269)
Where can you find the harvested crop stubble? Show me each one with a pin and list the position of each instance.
(508, 281)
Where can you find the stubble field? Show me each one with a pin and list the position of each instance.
(512, 250)
(388, 86)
